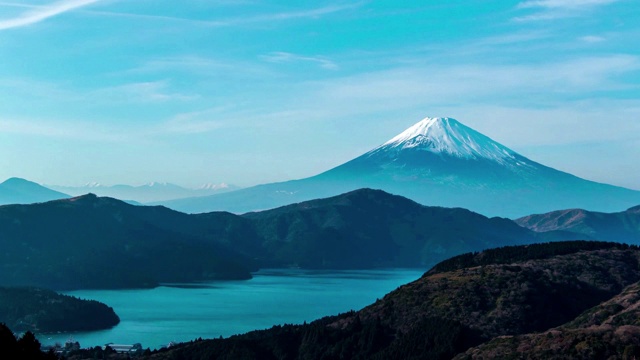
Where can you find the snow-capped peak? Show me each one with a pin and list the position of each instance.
(157, 184)
(211, 186)
(449, 136)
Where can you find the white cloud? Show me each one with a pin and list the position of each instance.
(468, 83)
(196, 122)
(201, 66)
(556, 4)
(314, 13)
(556, 9)
(64, 129)
(152, 91)
(42, 13)
(592, 39)
(285, 57)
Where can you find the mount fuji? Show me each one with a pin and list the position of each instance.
(438, 161)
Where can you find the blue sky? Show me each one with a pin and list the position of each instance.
(248, 92)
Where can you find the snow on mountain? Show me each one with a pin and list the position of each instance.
(212, 186)
(448, 136)
(149, 192)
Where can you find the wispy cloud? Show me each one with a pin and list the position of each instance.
(64, 129)
(564, 4)
(196, 122)
(313, 13)
(152, 91)
(556, 9)
(425, 88)
(42, 13)
(302, 14)
(592, 39)
(446, 83)
(285, 57)
(201, 66)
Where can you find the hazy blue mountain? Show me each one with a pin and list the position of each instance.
(370, 228)
(89, 242)
(93, 242)
(21, 191)
(621, 226)
(437, 162)
(152, 192)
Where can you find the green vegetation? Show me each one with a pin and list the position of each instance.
(512, 254)
(39, 310)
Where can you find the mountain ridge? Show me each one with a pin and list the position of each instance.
(21, 191)
(621, 226)
(45, 244)
(146, 193)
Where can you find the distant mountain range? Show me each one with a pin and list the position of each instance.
(439, 162)
(152, 192)
(621, 226)
(93, 242)
(21, 191)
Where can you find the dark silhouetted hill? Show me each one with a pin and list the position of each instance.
(89, 242)
(45, 311)
(370, 228)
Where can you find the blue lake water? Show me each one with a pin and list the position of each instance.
(155, 317)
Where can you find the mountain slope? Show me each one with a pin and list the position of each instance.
(370, 228)
(621, 226)
(445, 313)
(92, 242)
(608, 331)
(20, 191)
(437, 162)
(89, 242)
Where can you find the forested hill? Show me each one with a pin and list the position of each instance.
(443, 314)
(92, 242)
(371, 228)
(45, 311)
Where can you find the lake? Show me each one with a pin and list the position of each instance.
(183, 312)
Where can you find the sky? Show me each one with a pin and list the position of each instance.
(248, 92)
